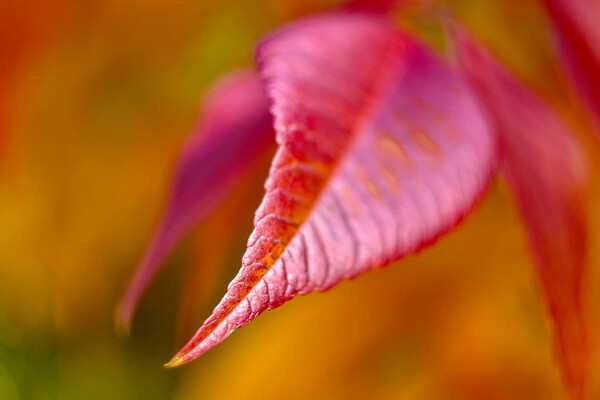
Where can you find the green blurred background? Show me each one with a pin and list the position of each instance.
(95, 99)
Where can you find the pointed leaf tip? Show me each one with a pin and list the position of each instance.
(547, 173)
(175, 362)
(376, 159)
(234, 131)
(121, 325)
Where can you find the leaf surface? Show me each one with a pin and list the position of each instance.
(546, 171)
(578, 37)
(234, 131)
(381, 149)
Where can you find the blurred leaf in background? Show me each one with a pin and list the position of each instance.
(96, 99)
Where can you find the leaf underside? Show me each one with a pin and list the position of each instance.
(234, 131)
(381, 149)
(546, 171)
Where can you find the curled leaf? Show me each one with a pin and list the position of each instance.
(381, 150)
(546, 170)
(235, 130)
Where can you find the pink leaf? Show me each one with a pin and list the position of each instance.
(578, 34)
(546, 171)
(381, 150)
(235, 131)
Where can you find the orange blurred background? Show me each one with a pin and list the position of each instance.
(96, 98)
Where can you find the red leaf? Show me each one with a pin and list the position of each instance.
(381, 150)
(372, 5)
(235, 131)
(546, 171)
(576, 23)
